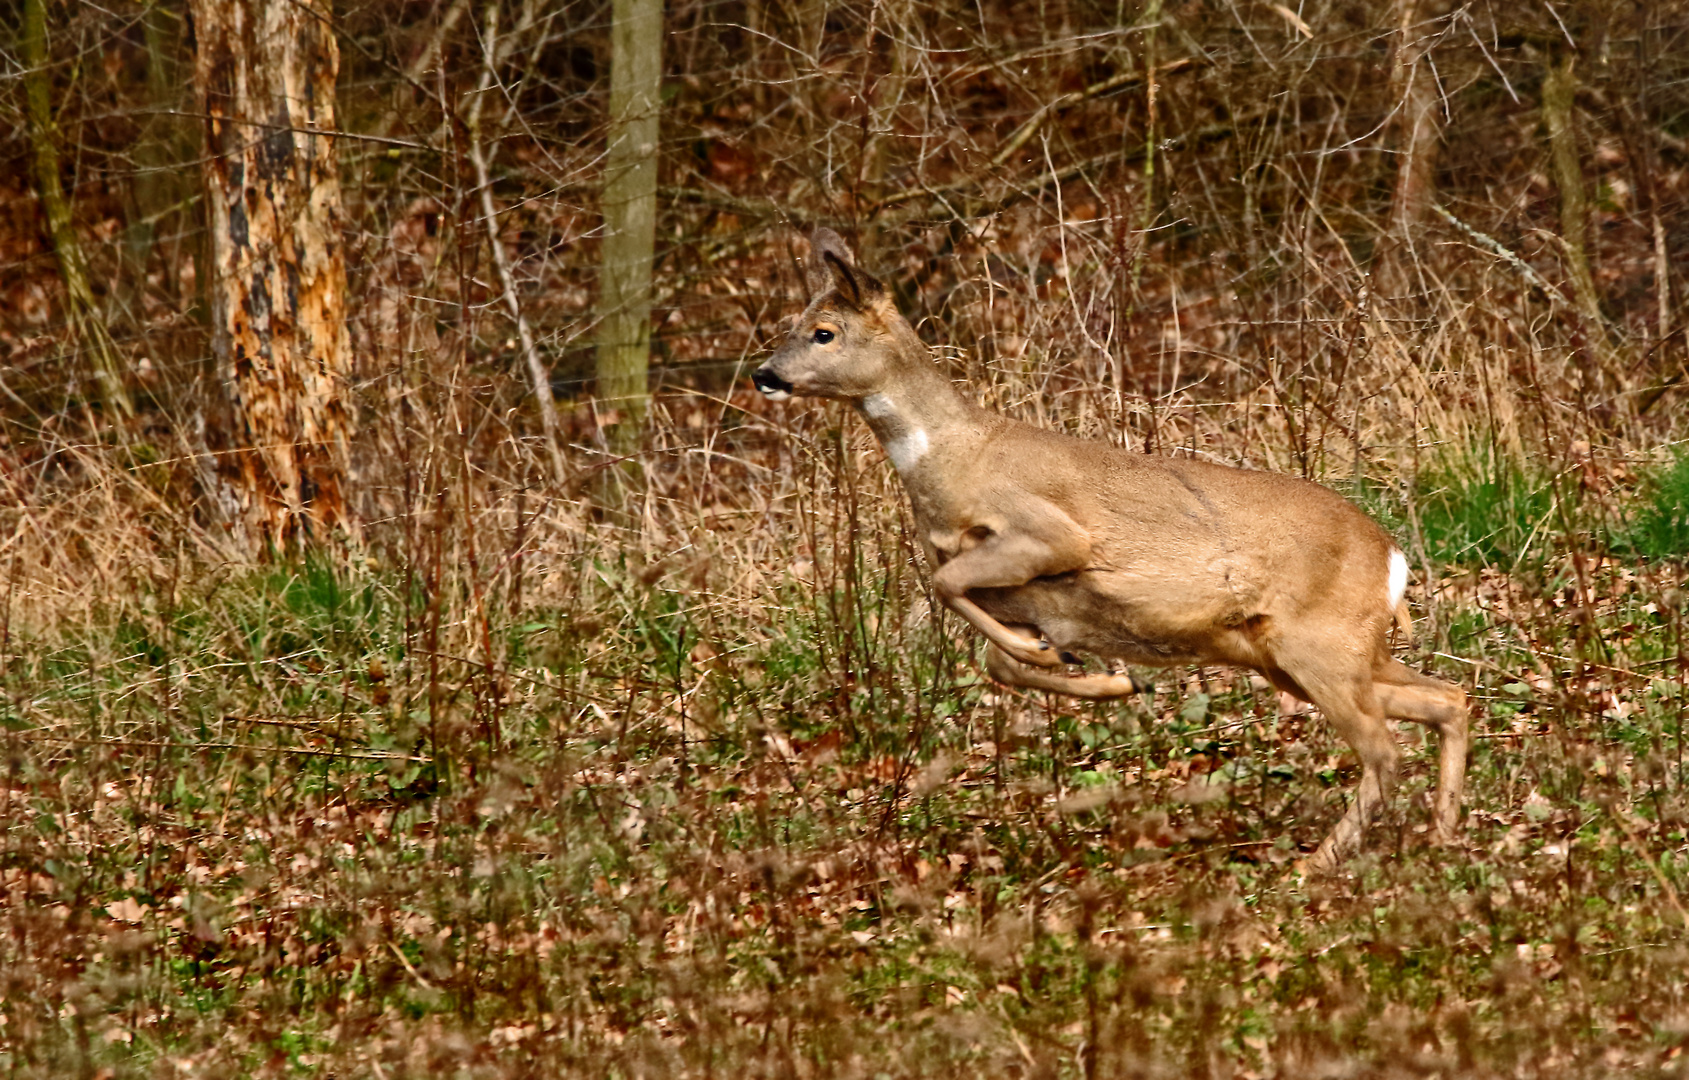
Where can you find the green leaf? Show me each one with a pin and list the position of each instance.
(1195, 710)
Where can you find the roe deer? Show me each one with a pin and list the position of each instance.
(1051, 545)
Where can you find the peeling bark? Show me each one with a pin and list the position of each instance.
(265, 72)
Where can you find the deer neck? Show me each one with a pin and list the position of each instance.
(917, 418)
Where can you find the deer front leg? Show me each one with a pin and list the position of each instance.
(1006, 669)
(1045, 542)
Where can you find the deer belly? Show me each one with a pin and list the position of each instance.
(1071, 615)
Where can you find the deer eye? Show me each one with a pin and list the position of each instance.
(823, 336)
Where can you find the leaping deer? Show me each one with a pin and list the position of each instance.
(1051, 546)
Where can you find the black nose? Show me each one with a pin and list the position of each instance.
(770, 383)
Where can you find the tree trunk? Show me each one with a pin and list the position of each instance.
(1152, 86)
(157, 188)
(83, 315)
(265, 71)
(630, 223)
(1420, 133)
(1559, 91)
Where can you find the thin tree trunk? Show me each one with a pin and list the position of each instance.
(1662, 278)
(156, 188)
(1419, 139)
(81, 312)
(1146, 211)
(630, 222)
(265, 73)
(1559, 90)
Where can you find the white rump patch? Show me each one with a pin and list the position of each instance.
(907, 449)
(1398, 576)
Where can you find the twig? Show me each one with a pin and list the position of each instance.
(68, 740)
(1491, 244)
(424, 61)
(1211, 133)
(537, 373)
(1029, 128)
(1182, 735)
(265, 125)
(415, 974)
(1183, 855)
(1659, 875)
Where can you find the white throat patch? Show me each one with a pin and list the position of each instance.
(907, 449)
(908, 446)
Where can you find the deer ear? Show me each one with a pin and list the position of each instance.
(855, 285)
(818, 276)
(825, 240)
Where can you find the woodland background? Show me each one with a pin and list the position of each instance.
(501, 769)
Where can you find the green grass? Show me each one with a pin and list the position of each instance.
(1475, 510)
(1657, 525)
(1471, 509)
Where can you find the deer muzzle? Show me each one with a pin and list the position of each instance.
(773, 386)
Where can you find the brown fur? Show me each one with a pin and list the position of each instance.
(1048, 544)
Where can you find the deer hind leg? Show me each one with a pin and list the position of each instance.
(1006, 669)
(1407, 695)
(1348, 701)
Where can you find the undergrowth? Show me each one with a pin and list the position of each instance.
(267, 826)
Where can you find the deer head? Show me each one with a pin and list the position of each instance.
(838, 348)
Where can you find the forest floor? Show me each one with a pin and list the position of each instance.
(332, 819)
